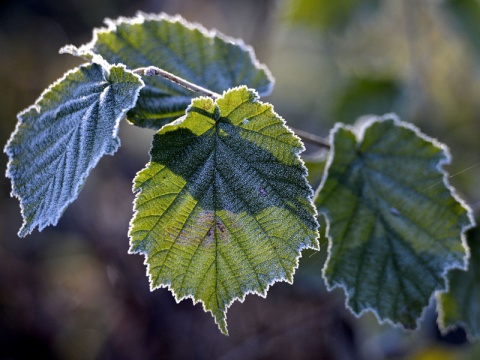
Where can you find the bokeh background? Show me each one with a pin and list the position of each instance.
(73, 292)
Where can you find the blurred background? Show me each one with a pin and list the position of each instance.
(73, 292)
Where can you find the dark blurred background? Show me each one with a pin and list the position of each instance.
(73, 292)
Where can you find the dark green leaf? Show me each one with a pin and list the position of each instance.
(395, 225)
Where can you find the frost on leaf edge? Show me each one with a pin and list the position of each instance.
(315, 243)
(37, 106)
(86, 50)
(358, 130)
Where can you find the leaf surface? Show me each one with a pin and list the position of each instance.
(205, 58)
(60, 138)
(395, 225)
(460, 305)
(223, 208)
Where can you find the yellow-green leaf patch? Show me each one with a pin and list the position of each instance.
(223, 208)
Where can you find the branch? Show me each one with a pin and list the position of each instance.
(312, 138)
(155, 71)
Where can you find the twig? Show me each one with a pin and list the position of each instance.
(312, 138)
(154, 71)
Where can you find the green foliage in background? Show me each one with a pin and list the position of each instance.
(465, 14)
(460, 305)
(362, 95)
(328, 15)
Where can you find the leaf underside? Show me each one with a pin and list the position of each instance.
(205, 58)
(63, 136)
(395, 225)
(223, 209)
(460, 305)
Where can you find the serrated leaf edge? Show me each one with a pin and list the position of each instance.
(359, 130)
(140, 17)
(178, 299)
(36, 106)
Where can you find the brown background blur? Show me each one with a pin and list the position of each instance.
(73, 292)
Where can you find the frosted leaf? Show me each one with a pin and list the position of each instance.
(395, 225)
(223, 208)
(60, 138)
(205, 58)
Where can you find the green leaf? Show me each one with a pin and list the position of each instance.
(60, 138)
(223, 208)
(205, 58)
(395, 225)
(460, 305)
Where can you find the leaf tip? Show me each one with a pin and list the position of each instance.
(221, 321)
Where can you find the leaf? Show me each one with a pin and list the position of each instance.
(460, 305)
(395, 225)
(205, 58)
(60, 138)
(223, 208)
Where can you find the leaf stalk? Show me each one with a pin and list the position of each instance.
(155, 71)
